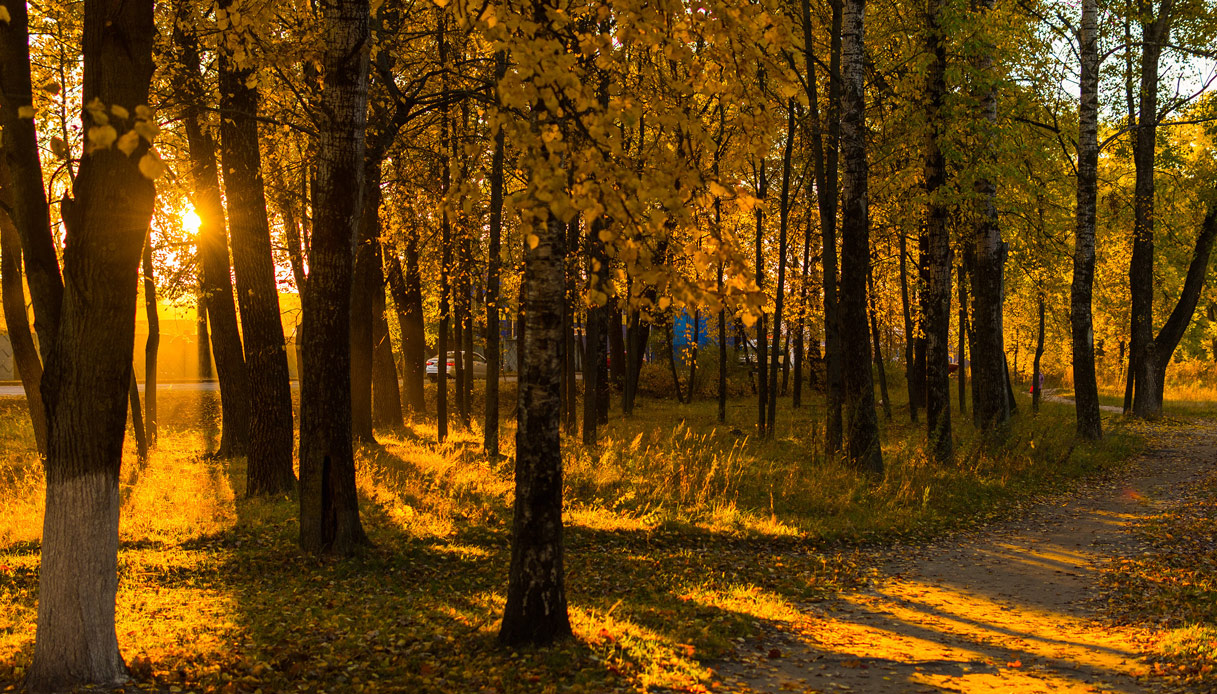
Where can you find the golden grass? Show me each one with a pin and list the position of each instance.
(683, 536)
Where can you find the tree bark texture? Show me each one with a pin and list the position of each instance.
(494, 263)
(270, 427)
(536, 591)
(329, 504)
(89, 371)
(862, 426)
(1085, 383)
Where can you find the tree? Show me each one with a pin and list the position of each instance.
(89, 369)
(536, 589)
(1085, 384)
(992, 405)
(270, 433)
(25, 353)
(329, 503)
(936, 295)
(862, 426)
(216, 280)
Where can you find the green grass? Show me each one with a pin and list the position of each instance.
(684, 538)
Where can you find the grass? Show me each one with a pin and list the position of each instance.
(684, 539)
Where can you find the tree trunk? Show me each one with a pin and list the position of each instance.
(963, 331)
(991, 408)
(762, 327)
(780, 290)
(880, 368)
(917, 395)
(445, 282)
(137, 419)
(1144, 355)
(406, 288)
(910, 377)
(536, 611)
(88, 372)
(270, 429)
(693, 357)
(1036, 374)
(616, 343)
(800, 346)
(215, 281)
(329, 505)
(25, 352)
(862, 427)
(936, 302)
(570, 396)
(1163, 346)
(671, 341)
(494, 262)
(597, 273)
(722, 317)
(30, 212)
(362, 298)
(1085, 383)
(825, 161)
(152, 345)
(386, 396)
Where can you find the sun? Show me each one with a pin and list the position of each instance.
(191, 221)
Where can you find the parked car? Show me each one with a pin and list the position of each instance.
(479, 366)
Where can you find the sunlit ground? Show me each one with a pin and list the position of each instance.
(684, 538)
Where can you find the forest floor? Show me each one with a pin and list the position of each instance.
(1028, 605)
(690, 546)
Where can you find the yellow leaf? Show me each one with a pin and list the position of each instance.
(119, 112)
(533, 240)
(147, 129)
(102, 136)
(98, 110)
(4, 15)
(25, 112)
(128, 142)
(151, 166)
(664, 303)
(51, 88)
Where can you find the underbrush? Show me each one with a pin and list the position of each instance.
(684, 537)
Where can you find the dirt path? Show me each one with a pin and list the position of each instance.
(1007, 609)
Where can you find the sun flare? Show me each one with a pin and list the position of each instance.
(191, 221)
